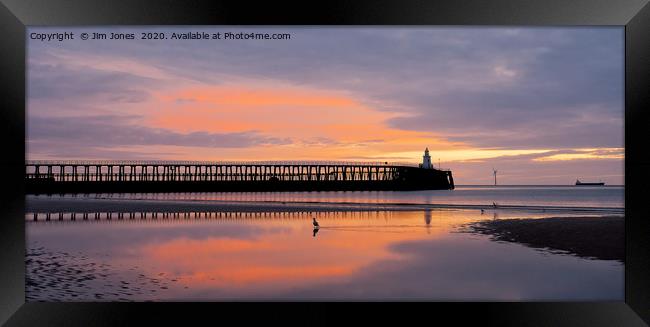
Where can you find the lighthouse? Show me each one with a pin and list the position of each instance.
(426, 160)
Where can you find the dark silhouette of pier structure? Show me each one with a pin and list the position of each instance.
(47, 177)
(191, 215)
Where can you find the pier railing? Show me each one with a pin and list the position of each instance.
(182, 171)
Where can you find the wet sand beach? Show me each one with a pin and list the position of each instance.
(591, 237)
(411, 254)
(68, 276)
(189, 247)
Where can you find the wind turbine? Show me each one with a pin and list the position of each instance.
(494, 171)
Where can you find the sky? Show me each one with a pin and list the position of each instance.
(540, 105)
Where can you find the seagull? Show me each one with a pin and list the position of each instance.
(315, 223)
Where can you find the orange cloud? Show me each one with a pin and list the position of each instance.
(323, 125)
(239, 108)
(239, 96)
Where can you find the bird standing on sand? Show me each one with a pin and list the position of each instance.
(315, 223)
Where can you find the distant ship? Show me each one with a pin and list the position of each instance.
(579, 183)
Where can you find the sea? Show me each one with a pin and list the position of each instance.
(406, 245)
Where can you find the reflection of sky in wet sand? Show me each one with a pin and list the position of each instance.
(353, 256)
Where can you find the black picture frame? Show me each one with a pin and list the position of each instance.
(15, 15)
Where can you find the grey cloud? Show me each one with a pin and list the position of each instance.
(108, 131)
(44, 149)
(60, 82)
(377, 158)
(326, 141)
(185, 100)
(557, 134)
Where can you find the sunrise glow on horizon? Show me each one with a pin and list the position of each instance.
(542, 105)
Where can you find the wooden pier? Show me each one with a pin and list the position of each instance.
(189, 216)
(182, 176)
